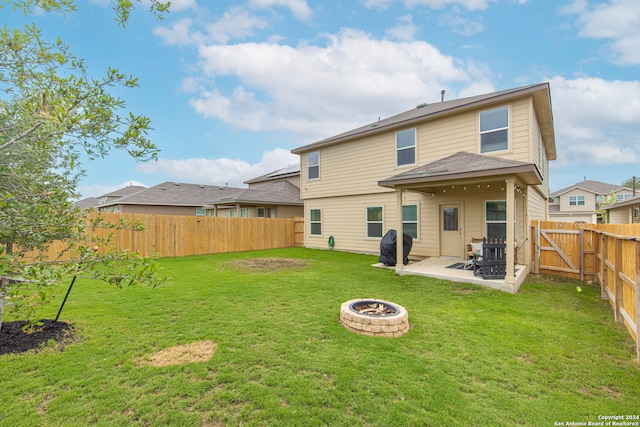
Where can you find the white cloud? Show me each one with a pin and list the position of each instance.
(596, 120)
(405, 29)
(461, 25)
(178, 34)
(617, 21)
(179, 5)
(314, 90)
(299, 8)
(433, 4)
(219, 171)
(236, 23)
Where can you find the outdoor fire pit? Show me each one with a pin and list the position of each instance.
(374, 317)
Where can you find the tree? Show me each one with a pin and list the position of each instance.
(52, 109)
(629, 183)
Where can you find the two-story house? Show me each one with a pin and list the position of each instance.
(442, 173)
(581, 202)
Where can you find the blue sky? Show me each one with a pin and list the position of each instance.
(232, 86)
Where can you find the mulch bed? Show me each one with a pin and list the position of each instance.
(14, 340)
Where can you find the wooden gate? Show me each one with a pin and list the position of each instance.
(564, 248)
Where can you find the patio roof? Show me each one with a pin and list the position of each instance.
(466, 167)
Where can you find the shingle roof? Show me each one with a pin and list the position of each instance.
(291, 170)
(596, 187)
(274, 193)
(464, 165)
(431, 111)
(125, 191)
(87, 203)
(626, 202)
(176, 194)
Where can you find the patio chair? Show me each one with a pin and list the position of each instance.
(493, 263)
(473, 249)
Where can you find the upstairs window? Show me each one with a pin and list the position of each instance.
(313, 163)
(494, 130)
(576, 201)
(406, 147)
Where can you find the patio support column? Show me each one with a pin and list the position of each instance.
(399, 234)
(510, 190)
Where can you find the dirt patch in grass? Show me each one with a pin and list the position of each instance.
(268, 265)
(14, 340)
(196, 352)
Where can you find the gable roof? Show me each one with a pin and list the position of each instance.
(635, 200)
(273, 193)
(423, 112)
(291, 170)
(125, 191)
(87, 203)
(465, 165)
(595, 187)
(176, 194)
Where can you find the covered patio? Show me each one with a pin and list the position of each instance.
(438, 268)
(465, 181)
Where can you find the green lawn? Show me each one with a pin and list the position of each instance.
(473, 356)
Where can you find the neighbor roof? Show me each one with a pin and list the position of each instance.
(596, 187)
(273, 193)
(541, 100)
(176, 194)
(125, 191)
(626, 202)
(291, 170)
(465, 165)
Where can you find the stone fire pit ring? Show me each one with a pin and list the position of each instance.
(394, 322)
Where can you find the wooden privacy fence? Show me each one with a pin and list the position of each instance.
(606, 254)
(173, 235)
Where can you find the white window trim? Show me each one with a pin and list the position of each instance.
(414, 147)
(367, 222)
(578, 199)
(315, 222)
(507, 128)
(309, 166)
(417, 221)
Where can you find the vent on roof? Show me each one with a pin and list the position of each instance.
(177, 184)
(424, 104)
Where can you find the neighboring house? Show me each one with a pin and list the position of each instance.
(270, 196)
(169, 198)
(443, 173)
(581, 202)
(274, 195)
(95, 202)
(88, 203)
(626, 211)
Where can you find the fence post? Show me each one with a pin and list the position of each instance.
(536, 248)
(636, 247)
(581, 241)
(617, 281)
(604, 280)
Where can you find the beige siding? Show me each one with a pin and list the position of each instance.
(620, 215)
(289, 211)
(362, 163)
(589, 201)
(345, 219)
(159, 210)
